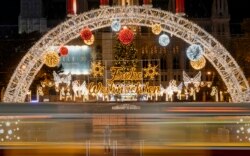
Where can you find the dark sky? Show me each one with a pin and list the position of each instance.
(9, 10)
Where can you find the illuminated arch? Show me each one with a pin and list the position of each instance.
(215, 53)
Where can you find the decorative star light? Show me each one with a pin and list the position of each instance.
(199, 64)
(164, 40)
(97, 69)
(9, 130)
(194, 52)
(156, 29)
(151, 71)
(51, 59)
(116, 25)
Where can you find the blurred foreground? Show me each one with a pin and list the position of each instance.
(119, 129)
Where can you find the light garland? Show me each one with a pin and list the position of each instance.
(116, 25)
(97, 69)
(164, 40)
(51, 59)
(156, 29)
(194, 52)
(199, 64)
(150, 71)
(90, 41)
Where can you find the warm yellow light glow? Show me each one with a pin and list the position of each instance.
(97, 69)
(150, 71)
(199, 64)
(51, 59)
(156, 29)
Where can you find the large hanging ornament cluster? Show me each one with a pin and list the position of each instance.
(156, 29)
(126, 36)
(9, 130)
(63, 51)
(86, 33)
(164, 40)
(116, 25)
(51, 58)
(199, 64)
(194, 52)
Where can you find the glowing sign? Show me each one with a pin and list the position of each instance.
(77, 62)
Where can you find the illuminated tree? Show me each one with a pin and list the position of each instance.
(125, 55)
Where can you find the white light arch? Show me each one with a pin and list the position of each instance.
(215, 53)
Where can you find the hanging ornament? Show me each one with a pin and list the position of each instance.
(156, 29)
(126, 36)
(51, 59)
(194, 52)
(116, 25)
(164, 40)
(64, 51)
(90, 41)
(199, 64)
(86, 34)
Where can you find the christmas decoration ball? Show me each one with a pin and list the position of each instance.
(126, 36)
(64, 51)
(194, 52)
(164, 40)
(90, 41)
(156, 29)
(86, 34)
(51, 59)
(199, 64)
(116, 25)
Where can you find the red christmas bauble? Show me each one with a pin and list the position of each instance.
(126, 36)
(86, 34)
(64, 51)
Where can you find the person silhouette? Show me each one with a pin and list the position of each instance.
(107, 134)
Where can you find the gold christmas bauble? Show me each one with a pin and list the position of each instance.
(51, 58)
(199, 64)
(156, 29)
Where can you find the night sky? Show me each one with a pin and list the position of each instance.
(9, 10)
